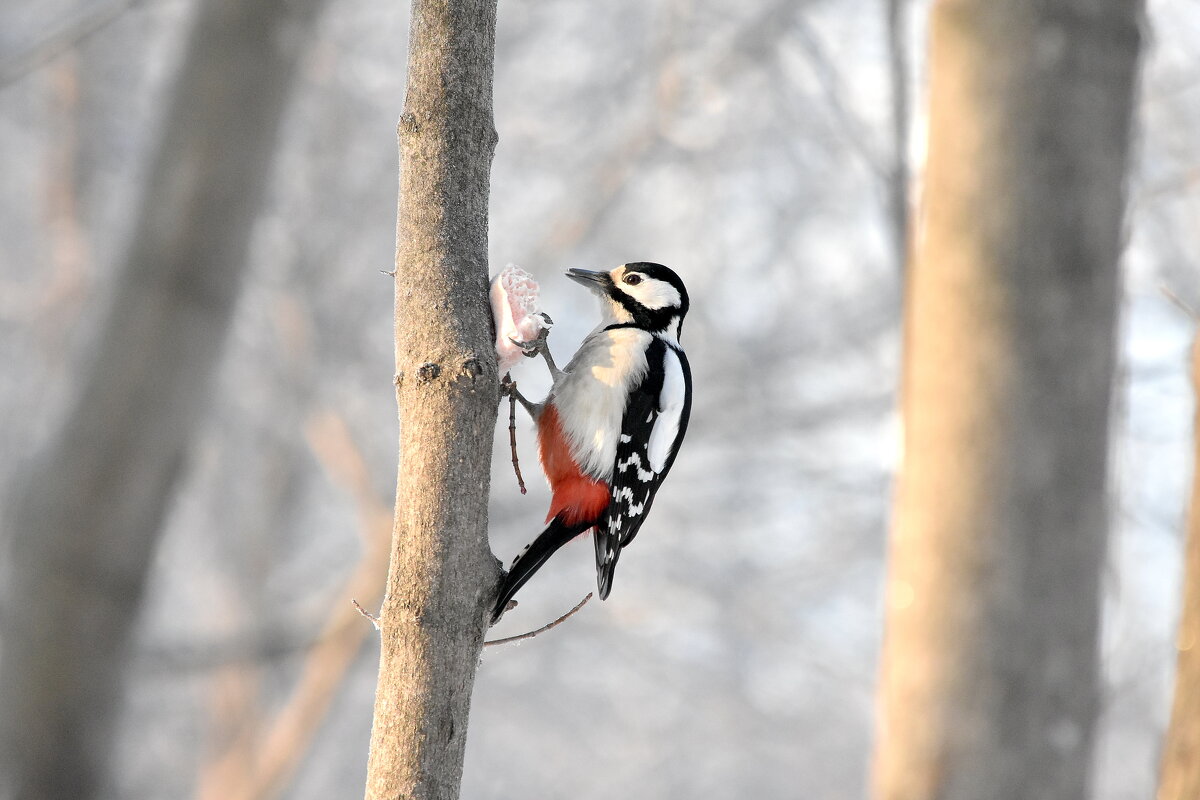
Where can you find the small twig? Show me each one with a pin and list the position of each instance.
(511, 386)
(512, 440)
(544, 628)
(66, 36)
(1178, 301)
(373, 619)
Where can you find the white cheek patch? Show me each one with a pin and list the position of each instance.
(665, 296)
(653, 294)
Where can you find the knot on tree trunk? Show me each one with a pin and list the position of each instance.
(472, 368)
(428, 372)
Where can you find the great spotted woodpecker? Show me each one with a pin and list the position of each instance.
(611, 426)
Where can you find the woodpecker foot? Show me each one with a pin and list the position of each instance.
(533, 348)
(508, 388)
(537, 347)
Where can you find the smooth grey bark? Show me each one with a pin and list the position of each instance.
(84, 524)
(990, 679)
(1179, 777)
(442, 577)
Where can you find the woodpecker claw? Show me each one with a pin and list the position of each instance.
(537, 347)
(534, 348)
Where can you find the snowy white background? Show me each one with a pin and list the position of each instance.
(745, 144)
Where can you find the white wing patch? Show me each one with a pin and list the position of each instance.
(671, 401)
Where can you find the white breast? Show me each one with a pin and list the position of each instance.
(591, 394)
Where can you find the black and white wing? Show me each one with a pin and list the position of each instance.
(656, 418)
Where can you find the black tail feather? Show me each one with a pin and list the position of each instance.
(608, 550)
(531, 559)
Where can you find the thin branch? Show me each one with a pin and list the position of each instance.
(512, 439)
(544, 628)
(374, 620)
(829, 79)
(1182, 182)
(68, 35)
(1180, 302)
(254, 647)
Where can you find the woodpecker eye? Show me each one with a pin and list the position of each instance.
(633, 279)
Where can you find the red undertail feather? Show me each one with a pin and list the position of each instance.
(576, 496)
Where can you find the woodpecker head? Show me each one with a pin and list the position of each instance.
(647, 295)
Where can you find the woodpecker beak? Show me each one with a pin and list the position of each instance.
(598, 282)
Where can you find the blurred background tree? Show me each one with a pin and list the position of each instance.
(86, 516)
(1180, 775)
(751, 146)
(990, 672)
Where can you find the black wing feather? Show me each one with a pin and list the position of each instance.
(634, 482)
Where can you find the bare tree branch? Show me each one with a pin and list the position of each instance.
(367, 615)
(523, 636)
(67, 35)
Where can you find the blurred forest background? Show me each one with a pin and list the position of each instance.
(757, 148)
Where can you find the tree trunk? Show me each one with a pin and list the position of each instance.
(84, 524)
(990, 683)
(1180, 779)
(443, 577)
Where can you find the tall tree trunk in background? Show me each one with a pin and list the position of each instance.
(85, 523)
(990, 684)
(443, 577)
(1180, 777)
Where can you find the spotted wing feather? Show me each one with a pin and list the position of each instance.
(635, 479)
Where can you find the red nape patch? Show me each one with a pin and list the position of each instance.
(576, 496)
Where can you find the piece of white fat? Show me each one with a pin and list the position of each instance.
(514, 296)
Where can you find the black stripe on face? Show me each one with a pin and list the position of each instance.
(655, 320)
(642, 316)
